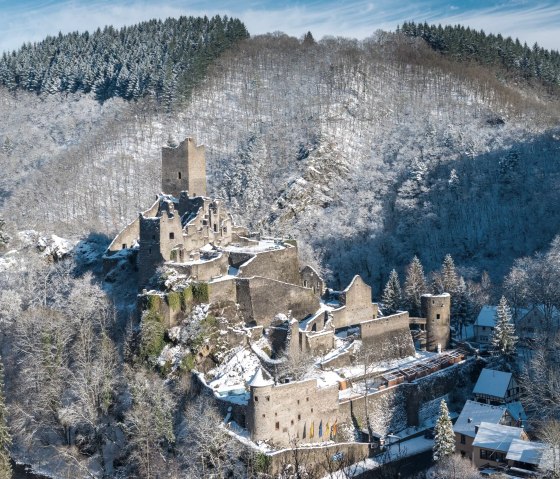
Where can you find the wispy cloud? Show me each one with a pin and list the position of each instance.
(30, 20)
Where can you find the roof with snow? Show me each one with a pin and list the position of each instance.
(526, 451)
(516, 410)
(496, 436)
(258, 380)
(474, 413)
(486, 317)
(492, 383)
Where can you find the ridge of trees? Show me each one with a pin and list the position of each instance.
(466, 44)
(159, 58)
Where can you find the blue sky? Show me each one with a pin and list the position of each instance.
(530, 21)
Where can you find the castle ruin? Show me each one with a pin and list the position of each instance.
(280, 301)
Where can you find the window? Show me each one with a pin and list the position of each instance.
(437, 316)
(311, 409)
(298, 401)
(484, 454)
(172, 235)
(268, 398)
(463, 439)
(299, 417)
(276, 414)
(124, 246)
(305, 283)
(256, 398)
(264, 415)
(277, 425)
(179, 175)
(307, 399)
(292, 422)
(215, 228)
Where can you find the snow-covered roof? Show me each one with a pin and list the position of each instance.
(526, 451)
(474, 413)
(258, 380)
(516, 410)
(496, 436)
(492, 383)
(486, 317)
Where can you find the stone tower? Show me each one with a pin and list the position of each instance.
(183, 168)
(437, 311)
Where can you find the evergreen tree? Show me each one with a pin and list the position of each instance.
(5, 438)
(414, 286)
(450, 277)
(503, 338)
(444, 437)
(392, 295)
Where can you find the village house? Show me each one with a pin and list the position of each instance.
(496, 387)
(492, 443)
(472, 415)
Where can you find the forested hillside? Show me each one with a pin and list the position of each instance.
(160, 58)
(465, 44)
(370, 152)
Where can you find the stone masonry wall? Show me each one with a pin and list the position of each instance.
(260, 299)
(222, 290)
(204, 270)
(386, 409)
(388, 337)
(183, 169)
(281, 265)
(357, 305)
(294, 410)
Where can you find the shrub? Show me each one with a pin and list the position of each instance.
(152, 335)
(200, 292)
(174, 300)
(153, 303)
(187, 363)
(186, 299)
(262, 462)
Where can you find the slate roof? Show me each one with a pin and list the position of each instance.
(492, 383)
(496, 437)
(526, 451)
(474, 413)
(486, 317)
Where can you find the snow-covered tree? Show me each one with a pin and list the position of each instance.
(5, 438)
(392, 295)
(444, 437)
(414, 286)
(503, 338)
(450, 278)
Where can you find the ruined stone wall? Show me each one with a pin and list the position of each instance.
(223, 290)
(294, 410)
(311, 279)
(126, 238)
(281, 265)
(357, 306)
(171, 233)
(203, 270)
(387, 410)
(319, 342)
(183, 168)
(388, 337)
(260, 299)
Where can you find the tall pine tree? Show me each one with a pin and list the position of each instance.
(392, 296)
(414, 286)
(503, 338)
(444, 437)
(5, 438)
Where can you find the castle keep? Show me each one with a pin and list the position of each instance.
(287, 312)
